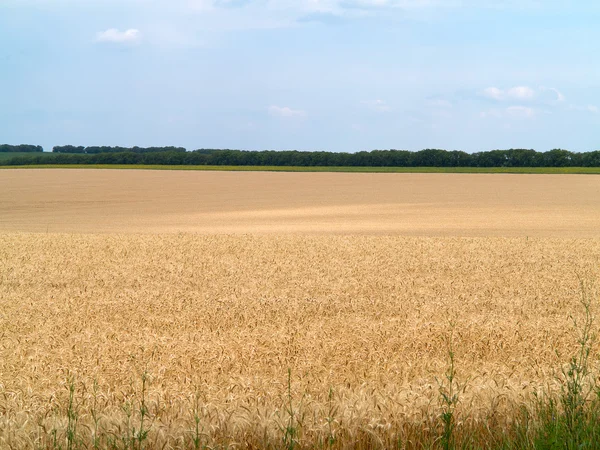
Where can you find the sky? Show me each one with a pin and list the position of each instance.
(337, 75)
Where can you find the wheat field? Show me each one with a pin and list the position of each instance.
(130, 201)
(185, 331)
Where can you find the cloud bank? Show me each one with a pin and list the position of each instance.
(112, 35)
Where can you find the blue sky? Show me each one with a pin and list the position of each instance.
(339, 75)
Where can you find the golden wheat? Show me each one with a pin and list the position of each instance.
(217, 321)
(200, 329)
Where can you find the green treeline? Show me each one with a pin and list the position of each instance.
(104, 149)
(23, 148)
(375, 158)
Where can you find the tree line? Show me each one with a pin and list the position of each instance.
(375, 158)
(93, 150)
(23, 148)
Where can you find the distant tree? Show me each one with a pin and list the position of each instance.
(431, 158)
(94, 150)
(589, 159)
(23, 148)
(68, 149)
(557, 158)
(69, 154)
(521, 158)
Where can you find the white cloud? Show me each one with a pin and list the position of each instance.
(378, 105)
(520, 93)
(285, 111)
(113, 35)
(514, 93)
(559, 96)
(593, 109)
(493, 92)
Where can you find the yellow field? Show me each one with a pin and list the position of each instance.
(352, 282)
(125, 201)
